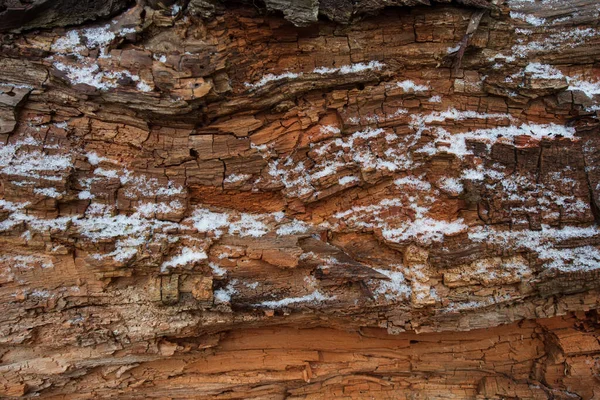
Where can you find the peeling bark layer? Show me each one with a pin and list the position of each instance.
(207, 201)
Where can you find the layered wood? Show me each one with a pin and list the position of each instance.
(208, 201)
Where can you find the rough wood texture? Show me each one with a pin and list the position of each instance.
(205, 200)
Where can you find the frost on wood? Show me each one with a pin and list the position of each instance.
(206, 201)
(316, 296)
(345, 69)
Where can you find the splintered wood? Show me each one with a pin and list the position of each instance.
(300, 199)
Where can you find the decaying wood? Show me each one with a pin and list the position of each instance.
(462, 46)
(312, 199)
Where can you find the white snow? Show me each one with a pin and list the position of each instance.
(48, 192)
(25, 262)
(469, 305)
(572, 38)
(223, 296)
(208, 221)
(394, 289)
(89, 75)
(315, 296)
(92, 75)
(547, 244)
(350, 69)
(543, 71)
(86, 69)
(345, 180)
(107, 173)
(69, 42)
(187, 256)
(144, 87)
(272, 78)
(415, 182)
(41, 293)
(457, 142)
(400, 227)
(98, 37)
(234, 178)
(292, 228)
(248, 225)
(589, 88)
(530, 19)
(409, 86)
(107, 227)
(126, 31)
(217, 270)
(94, 159)
(242, 224)
(360, 67)
(552, 194)
(473, 175)
(336, 154)
(34, 164)
(346, 69)
(451, 185)
(425, 230)
(329, 129)
(151, 209)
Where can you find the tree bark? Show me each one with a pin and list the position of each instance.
(334, 199)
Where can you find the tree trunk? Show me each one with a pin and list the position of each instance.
(300, 199)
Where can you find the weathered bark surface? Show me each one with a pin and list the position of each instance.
(29, 14)
(204, 200)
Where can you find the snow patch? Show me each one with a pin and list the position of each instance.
(409, 86)
(425, 230)
(248, 225)
(451, 185)
(345, 180)
(292, 228)
(208, 221)
(346, 69)
(543, 71)
(234, 178)
(530, 19)
(315, 296)
(589, 88)
(217, 270)
(393, 289)
(223, 296)
(48, 192)
(547, 244)
(187, 256)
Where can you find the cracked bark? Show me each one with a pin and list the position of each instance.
(205, 200)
